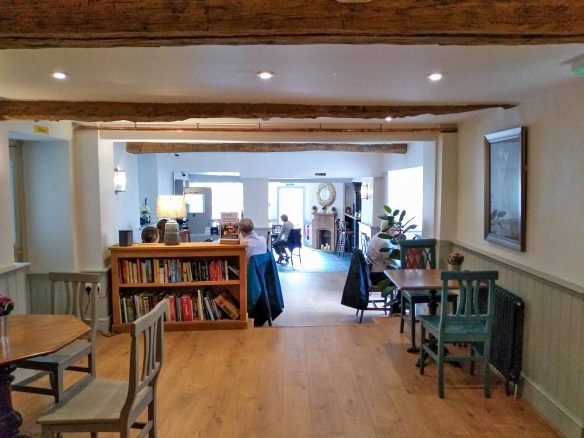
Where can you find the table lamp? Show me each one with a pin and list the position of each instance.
(171, 207)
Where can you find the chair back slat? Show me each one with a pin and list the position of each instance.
(147, 331)
(67, 296)
(468, 311)
(418, 254)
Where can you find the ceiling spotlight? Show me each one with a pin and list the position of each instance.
(60, 75)
(388, 119)
(435, 77)
(265, 75)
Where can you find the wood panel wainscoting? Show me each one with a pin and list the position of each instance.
(14, 284)
(553, 342)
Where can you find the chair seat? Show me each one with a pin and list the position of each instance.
(455, 328)
(24, 376)
(98, 401)
(66, 355)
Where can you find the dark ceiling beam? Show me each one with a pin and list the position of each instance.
(159, 147)
(139, 23)
(172, 112)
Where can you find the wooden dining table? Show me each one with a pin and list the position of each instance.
(420, 279)
(29, 336)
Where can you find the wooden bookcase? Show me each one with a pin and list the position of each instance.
(122, 257)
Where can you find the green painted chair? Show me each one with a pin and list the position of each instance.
(468, 325)
(417, 254)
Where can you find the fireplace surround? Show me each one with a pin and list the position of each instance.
(324, 230)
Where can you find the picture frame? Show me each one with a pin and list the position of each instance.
(506, 187)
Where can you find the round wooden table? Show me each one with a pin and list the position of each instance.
(29, 336)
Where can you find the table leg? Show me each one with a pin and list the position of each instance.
(10, 420)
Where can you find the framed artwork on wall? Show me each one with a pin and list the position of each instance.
(505, 187)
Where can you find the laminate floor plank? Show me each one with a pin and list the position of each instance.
(342, 381)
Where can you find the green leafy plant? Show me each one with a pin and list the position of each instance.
(395, 229)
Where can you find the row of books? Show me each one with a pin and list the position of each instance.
(166, 270)
(198, 305)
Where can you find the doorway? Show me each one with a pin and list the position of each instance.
(291, 203)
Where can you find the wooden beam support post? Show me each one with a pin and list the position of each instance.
(135, 23)
(172, 112)
(151, 147)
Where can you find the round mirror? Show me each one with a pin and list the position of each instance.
(326, 194)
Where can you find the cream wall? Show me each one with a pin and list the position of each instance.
(6, 246)
(555, 182)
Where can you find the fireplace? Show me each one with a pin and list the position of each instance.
(324, 230)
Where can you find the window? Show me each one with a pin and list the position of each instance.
(227, 196)
(405, 189)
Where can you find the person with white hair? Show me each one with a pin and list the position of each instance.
(255, 244)
(375, 257)
(279, 244)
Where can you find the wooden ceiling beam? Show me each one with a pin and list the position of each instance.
(172, 112)
(138, 23)
(151, 147)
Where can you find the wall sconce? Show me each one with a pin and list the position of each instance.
(365, 191)
(119, 180)
(171, 207)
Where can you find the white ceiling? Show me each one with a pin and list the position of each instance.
(309, 74)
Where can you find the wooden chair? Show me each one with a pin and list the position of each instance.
(468, 325)
(294, 242)
(106, 405)
(73, 297)
(417, 254)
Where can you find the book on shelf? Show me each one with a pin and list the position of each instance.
(226, 302)
(229, 227)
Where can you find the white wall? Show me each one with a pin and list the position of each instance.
(6, 245)
(126, 211)
(555, 182)
(298, 165)
(255, 201)
(49, 206)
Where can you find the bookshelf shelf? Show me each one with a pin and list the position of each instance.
(145, 273)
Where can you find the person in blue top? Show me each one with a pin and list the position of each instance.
(279, 244)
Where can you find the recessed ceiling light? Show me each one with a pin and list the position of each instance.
(435, 76)
(388, 119)
(265, 74)
(60, 75)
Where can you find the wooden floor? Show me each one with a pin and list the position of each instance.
(332, 381)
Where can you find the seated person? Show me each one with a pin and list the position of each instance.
(279, 244)
(160, 225)
(255, 244)
(149, 235)
(376, 258)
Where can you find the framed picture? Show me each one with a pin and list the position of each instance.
(505, 187)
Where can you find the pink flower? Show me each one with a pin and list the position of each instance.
(6, 305)
(455, 258)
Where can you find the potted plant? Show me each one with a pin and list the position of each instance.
(6, 306)
(395, 230)
(145, 213)
(455, 260)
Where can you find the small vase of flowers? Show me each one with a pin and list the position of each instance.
(6, 306)
(145, 213)
(455, 260)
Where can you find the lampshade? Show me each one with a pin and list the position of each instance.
(171, 206)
